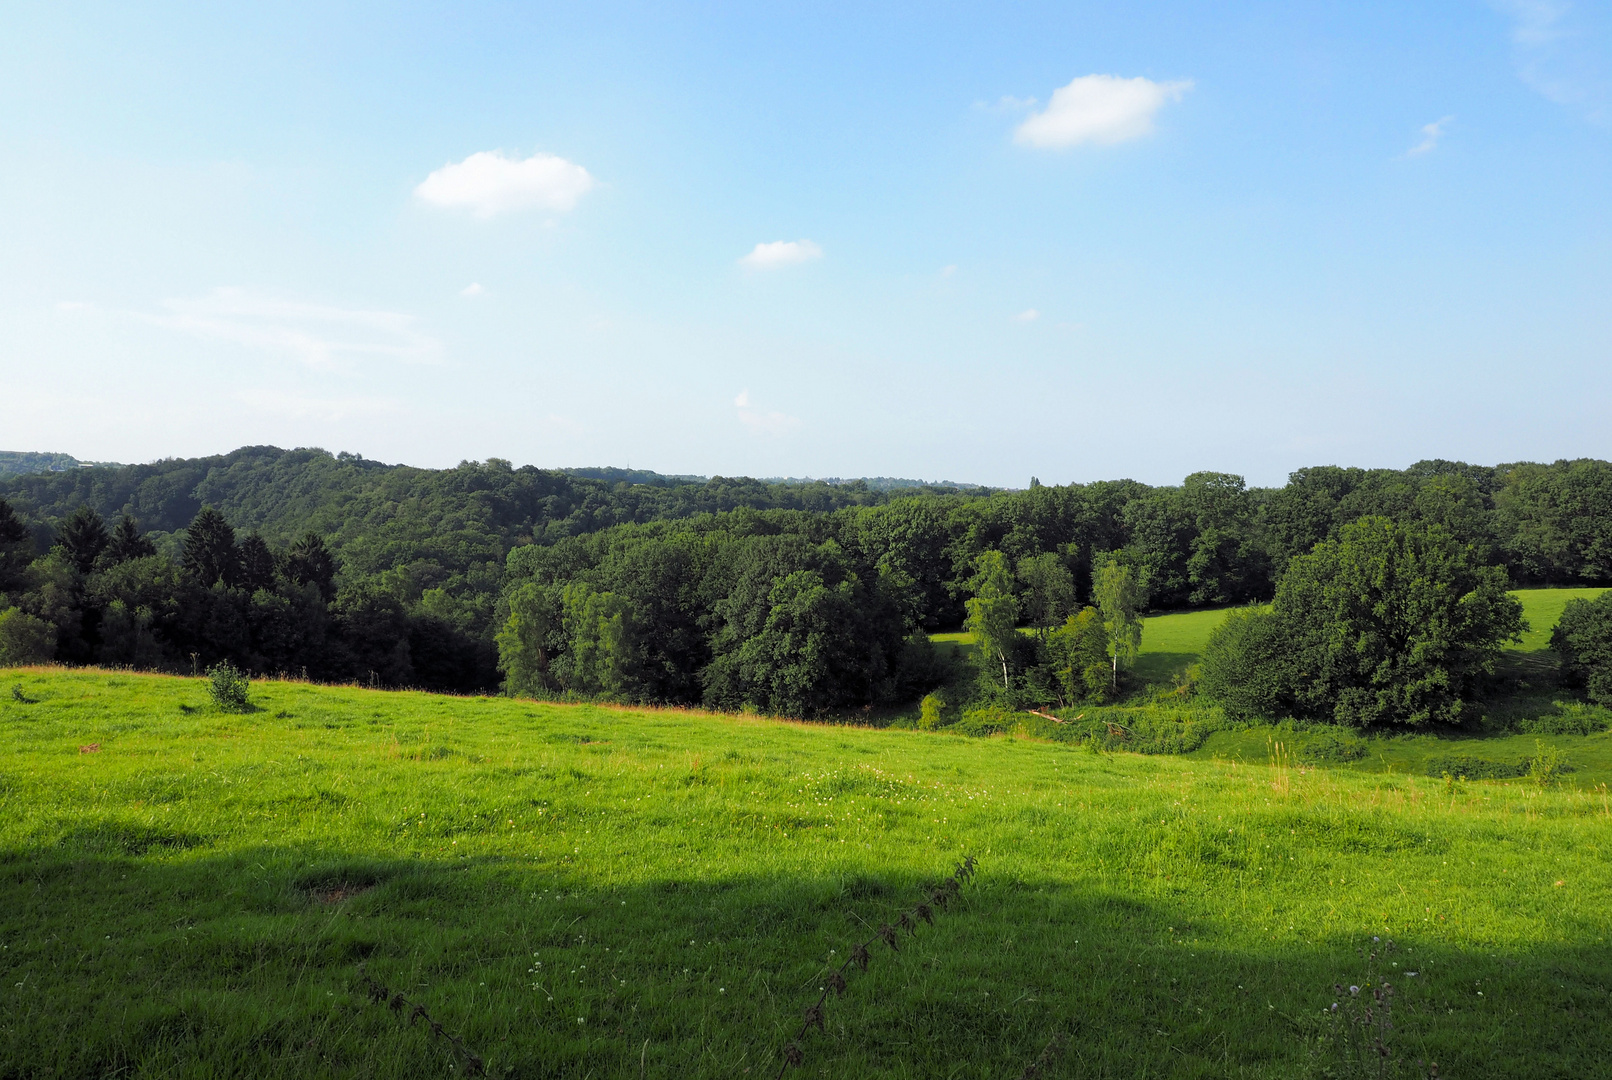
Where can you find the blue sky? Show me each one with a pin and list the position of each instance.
(1074, 241)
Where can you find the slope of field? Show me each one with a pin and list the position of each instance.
(581, 891)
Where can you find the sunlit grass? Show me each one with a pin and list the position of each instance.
(595, 891)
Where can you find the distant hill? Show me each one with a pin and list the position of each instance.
(21, 462)
(380, 516)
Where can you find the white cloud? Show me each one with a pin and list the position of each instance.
(318, 335)
(948, 271)
(762, 423)
(1431, 134)
(473, 289)
(1558, 56)
(781, 253)
(1027, 315)
(1099, 109)
(489, 183)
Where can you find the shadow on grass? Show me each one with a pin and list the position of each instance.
(199, 964)
(1162, 667)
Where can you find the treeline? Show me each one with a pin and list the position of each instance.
(106, 596)
(796, 598)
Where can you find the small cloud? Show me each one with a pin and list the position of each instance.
(948, 271)
(73, 305)
(781, 253)
(763, 423)
(488, 183)
(319, 335)
(473, 289)
(1431, 134)
(1027, 315)
(1099, 109)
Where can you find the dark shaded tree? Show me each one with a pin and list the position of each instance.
(127, 543)
(309, 562)
(210, 555)
(256, 564)
(82, 538)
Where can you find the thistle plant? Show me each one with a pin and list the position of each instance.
(412, 1011)
(937, 899)
(1360, 1024)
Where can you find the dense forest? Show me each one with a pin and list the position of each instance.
(796, 596)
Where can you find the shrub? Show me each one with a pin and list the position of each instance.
(1333, 745)
(1465, 766)
(1583, 639)
(931, 711)
(1547, 765)
(1243, 666)
(1571, 718)
(227, 686)
(25, 639)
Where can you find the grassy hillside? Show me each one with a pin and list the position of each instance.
(582, 891)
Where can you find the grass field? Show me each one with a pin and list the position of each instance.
(593, 892)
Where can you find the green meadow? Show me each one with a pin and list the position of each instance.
(582, 891)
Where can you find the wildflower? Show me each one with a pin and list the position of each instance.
(1354, 989)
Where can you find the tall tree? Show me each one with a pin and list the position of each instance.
(82, 538)
(308, 561)
(257, 564)
(993, 612)
(1049, 590)
(16, 547)
(1386, 624)
(210, 552)
(127, 543)
(1120, 599)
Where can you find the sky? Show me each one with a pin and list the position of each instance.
(981, 243)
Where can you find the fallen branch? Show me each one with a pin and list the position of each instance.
(939, 897)
(401, 1005)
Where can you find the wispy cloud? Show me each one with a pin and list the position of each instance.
(319, 335)
(779, 253)
(760, 422)
(1431, 134)
(489, 183)
(473, 289)
(1099, 109)
(1027, 315)
(1557, 55)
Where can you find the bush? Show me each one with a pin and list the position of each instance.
(25, 639)
(1243, 666)
(1571, 718)
(1583, 639)
(1465, 766)
(1547, 765)
(931, 711)
(227, 686)
(1333, 745)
